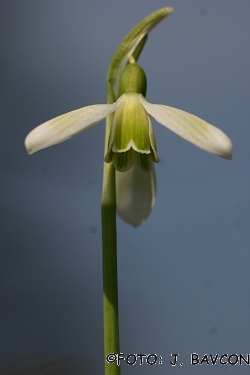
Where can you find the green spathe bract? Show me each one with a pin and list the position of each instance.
(132, 44)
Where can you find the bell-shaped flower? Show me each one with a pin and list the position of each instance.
(188, 126)
(131, 139)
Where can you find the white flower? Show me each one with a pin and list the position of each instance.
(132, 145)
(184, 124)
(187, 126)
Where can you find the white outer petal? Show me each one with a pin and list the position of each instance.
(66, 126)
(192, 128)
(135, 194)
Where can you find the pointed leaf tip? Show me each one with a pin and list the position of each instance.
(129, 45)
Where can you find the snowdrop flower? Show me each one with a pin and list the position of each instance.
(132, 136)
(131, 139)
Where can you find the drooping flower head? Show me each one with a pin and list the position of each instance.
(132, 127)
(131, 143)
(131, 139)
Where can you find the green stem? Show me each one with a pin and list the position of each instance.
(110, 286)
(132, 44)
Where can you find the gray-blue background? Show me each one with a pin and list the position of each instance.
(184, 276)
